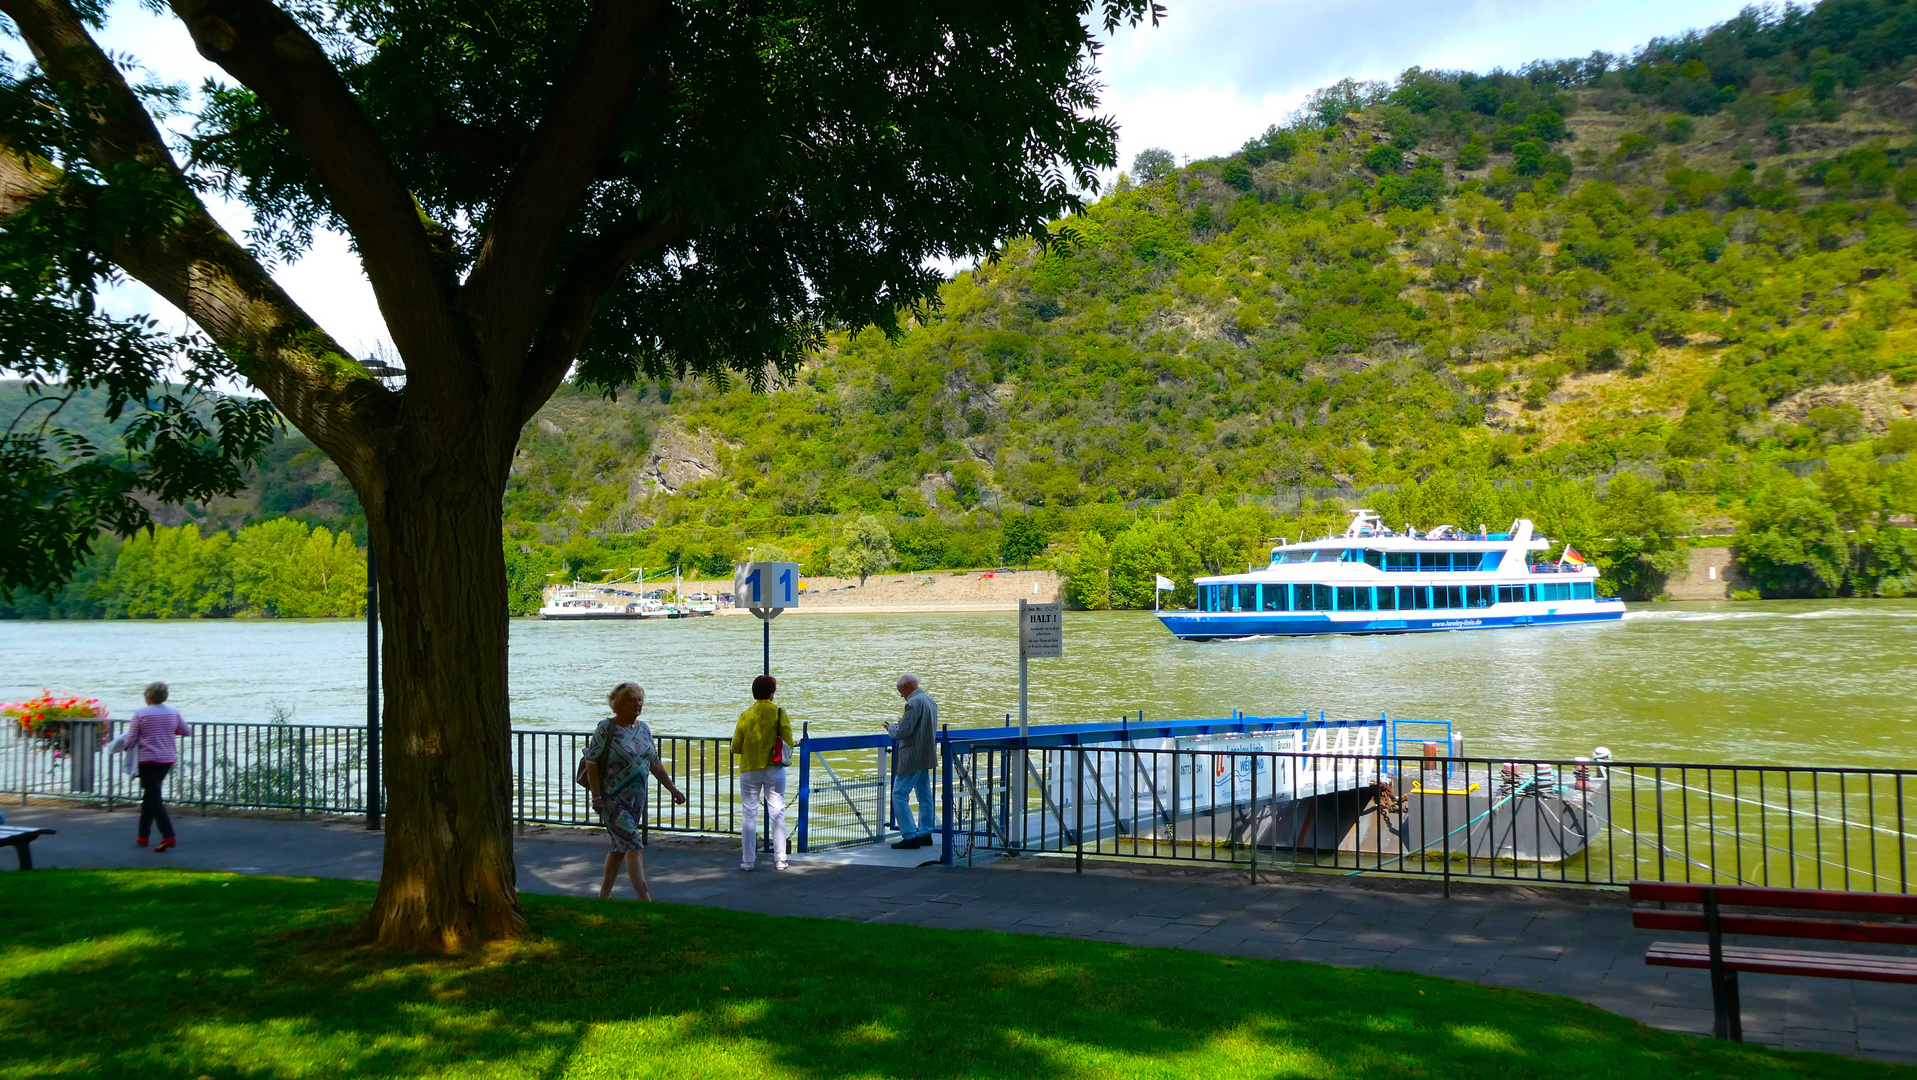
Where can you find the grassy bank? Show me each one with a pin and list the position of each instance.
(179, 974)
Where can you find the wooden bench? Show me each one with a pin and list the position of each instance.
(1725, 961)
(18, 839)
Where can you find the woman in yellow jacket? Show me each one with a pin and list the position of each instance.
(763, 742)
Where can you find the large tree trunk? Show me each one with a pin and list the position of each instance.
(448, 879)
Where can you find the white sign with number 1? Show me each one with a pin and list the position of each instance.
(765, 584)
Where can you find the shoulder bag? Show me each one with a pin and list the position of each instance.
(579, 775)
(778, 743)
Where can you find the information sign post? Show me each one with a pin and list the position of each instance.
(1041, 633)
(765, 589)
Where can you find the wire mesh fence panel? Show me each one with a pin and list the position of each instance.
(848, 797)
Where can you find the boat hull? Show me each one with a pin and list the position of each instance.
(1205, 626)
(593, 616)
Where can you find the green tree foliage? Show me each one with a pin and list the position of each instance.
(1024, 540)
(1836, 533)
(1643, 527)
(1152, 165)
(865, 550)
(274, 569)
(283, 569)
(526, 579)
(1384, 159)
(624, 191)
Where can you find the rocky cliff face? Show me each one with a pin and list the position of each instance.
(679, 458)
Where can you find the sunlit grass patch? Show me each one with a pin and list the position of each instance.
(178, 974)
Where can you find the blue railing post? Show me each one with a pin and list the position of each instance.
(805, 787)
(945, 817)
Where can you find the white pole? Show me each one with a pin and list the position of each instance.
(1022, 725)
(1024, 755)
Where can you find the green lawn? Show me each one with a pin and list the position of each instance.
(180, 974)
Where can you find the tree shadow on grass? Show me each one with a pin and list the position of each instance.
(157, 974)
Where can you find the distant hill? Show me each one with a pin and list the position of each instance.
(294, 480)
(1688, 264)
(1688, 261)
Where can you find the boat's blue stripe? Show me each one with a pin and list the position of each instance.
(1195, 625)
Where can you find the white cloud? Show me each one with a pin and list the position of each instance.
(327, 282)
(1216, 72)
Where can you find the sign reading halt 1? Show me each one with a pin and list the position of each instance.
(1041, 633)
(1040, 630)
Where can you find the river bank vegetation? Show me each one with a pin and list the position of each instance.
(1632, 297)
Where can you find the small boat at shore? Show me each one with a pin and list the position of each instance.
(1373, 580)
(580, 602)
(583, 601)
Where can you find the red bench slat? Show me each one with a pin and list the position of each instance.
(1775, 926)
(1760, 896)
(1818, 965)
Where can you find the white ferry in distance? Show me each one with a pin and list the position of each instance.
(580, 601)
(1372, 580)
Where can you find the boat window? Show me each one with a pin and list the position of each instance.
(1401, 560)
(1387, 598)
(1490, 560)
(1354, 598)
(1511, 594)
(1247, 598)
(1480, 595)
(1420, 596)
(1275, 598)
(1374, 557)
(1583, 590)
(1447, 596)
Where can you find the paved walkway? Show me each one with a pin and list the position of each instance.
(1566, 941)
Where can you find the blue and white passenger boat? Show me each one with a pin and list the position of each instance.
(1372, 580)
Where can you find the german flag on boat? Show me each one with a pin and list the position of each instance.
(1571, 556)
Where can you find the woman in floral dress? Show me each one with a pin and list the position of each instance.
(618, 756)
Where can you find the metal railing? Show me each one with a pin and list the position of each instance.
(1544, 821)
(1342, 796)
(314, 769)
(243, 766)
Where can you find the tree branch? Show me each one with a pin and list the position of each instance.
(195, 265)
(590, 275)
(272, 55)
(507, 286)
(205, 273)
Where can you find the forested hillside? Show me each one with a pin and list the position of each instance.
(1615, 293)
(1692, 264)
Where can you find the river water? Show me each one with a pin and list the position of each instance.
(1814, 682)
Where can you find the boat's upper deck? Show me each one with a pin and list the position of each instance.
(1367, 548)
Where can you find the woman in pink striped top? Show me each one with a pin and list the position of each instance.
(151, 736)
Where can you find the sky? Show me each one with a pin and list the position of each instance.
(1212, 74)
